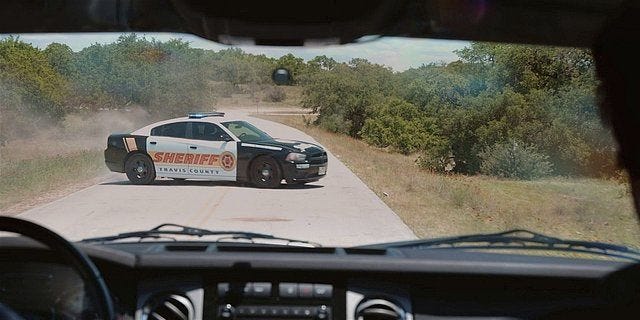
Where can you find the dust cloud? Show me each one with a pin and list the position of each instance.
(75, 132)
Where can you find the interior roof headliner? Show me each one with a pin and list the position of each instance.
(554, 22)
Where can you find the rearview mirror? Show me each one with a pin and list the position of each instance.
(281, 76)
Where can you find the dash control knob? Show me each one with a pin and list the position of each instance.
(322, 313)
(227, 312)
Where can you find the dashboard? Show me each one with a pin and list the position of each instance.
(43, 288)
(199, 280)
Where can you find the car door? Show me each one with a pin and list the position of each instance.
(214, 152)
(168, 147)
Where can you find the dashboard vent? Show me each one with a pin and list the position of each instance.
(367, 251)
(379, 309)
(233, 247)
(187, 247)
(169, 307)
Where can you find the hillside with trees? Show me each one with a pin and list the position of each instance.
(510, 111)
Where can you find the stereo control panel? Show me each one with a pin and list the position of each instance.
(267, 300)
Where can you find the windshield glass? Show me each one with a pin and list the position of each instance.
(246, 131)
(385, 140)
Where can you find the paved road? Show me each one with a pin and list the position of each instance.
(338, 210)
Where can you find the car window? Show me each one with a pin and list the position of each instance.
(246, 131)
(175, 130)
(392, 139)
(208, 131)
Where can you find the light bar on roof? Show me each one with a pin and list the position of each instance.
(200, 115)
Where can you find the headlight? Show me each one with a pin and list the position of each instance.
(294, 156)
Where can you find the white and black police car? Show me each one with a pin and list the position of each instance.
(208, 146)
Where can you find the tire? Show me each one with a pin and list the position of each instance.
(265, 172)
(140, 169)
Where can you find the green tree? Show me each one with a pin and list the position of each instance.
(31, 91)
(346, 94)
(435, 87)
(165, 78)
(322, 63)
(528, 67)
(402, 127)
(60, 57)
(26, 71)
(295, 65)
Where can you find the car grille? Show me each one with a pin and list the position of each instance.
(318, 158)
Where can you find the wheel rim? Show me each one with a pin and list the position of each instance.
(140, 169)
(265, 172)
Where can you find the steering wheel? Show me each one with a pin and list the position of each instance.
(96, 287)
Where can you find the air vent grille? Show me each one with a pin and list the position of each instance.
(169, 307)
(187, 247)
(368, 251)
(379, 309)
(233, 247)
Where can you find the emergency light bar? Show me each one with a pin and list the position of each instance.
(200, 115)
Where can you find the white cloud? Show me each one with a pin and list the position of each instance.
(398, 53)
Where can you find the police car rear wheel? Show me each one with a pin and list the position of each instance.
(265, 173)
(140, 170)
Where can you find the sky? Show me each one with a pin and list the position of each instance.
(397, 53)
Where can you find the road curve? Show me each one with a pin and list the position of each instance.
(339, 210)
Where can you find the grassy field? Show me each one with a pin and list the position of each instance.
(442, 205)
(59, 158)
(26, 180)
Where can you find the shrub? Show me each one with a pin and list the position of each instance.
(514, 159)
(275, 94)
(349, 90)
(437, 158)
(334, 123)
(401, 126)
(224, 89)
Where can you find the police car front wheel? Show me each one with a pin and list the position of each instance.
(139, 169)
(265, 172)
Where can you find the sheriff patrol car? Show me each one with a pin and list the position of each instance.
(208, 146)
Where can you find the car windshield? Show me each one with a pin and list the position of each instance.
(388, 139)
(245, 131)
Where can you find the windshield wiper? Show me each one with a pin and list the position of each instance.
(167, 230)
(517, 239)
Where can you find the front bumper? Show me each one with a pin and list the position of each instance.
(299, 172)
